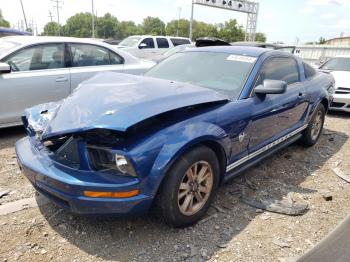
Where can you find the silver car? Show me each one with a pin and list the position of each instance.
(35, 70)
(339, 67)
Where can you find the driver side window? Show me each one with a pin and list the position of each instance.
(279, 68)
(149, 43)
(38, 57)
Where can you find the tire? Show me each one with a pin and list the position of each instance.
(180, 206)
(312, 133)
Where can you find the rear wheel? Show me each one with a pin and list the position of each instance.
(189, 187)
(314, 129)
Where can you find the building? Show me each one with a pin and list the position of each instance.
(339, 41)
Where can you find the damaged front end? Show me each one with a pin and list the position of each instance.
(37, 118)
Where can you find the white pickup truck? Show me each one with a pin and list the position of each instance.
(146, 46)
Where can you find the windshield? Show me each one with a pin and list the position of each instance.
(130, 41)
(219, 71)
(6, 46)
(337, 64)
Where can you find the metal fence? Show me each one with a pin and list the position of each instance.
(317, 54)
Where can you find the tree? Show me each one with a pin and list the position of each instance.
(231, 31)
(260, 37)
(128, 28)
(107, 26)
(79, 25)
(3, 22)
(201, 29)
(51, 29)
(182, 26)
(321, 41)
(153, 26)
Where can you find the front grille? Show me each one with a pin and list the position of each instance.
(65, 151)
(335, 104)
(342, 90)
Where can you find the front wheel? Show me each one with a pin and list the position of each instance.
(313, 131)
(189, 187)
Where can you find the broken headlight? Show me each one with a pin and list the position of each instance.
(107, 161)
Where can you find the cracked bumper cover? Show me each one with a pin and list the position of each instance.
(66, 189)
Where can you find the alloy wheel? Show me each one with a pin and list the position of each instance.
(195, 188)
(316, 125)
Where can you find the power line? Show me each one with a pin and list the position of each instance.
(58, 6)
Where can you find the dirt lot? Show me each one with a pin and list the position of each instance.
(232, 231)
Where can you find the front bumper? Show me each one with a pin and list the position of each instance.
(65, 187)
(341, 102)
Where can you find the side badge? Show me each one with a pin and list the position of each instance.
(241, 137)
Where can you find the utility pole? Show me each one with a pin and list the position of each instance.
(57, 6)
(51, 16)
(24, 15)
(93, 18)
(191, 22)
(178, 22)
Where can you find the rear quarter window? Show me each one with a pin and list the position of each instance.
(309, 71)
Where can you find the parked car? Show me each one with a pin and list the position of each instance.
(339, 68)
(36, 70)
(122, 143)
(146, 47)
(10, 32)
(200, 42)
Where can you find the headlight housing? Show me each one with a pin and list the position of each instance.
(108, 161)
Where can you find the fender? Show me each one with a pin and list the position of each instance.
(181, 141)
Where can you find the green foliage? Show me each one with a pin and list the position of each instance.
(260, 37)
(51, 29)
(153, 26)
(79, 25)
(183, 25)
(3, 22)
(231, 31)
(128, 28)
(321, 41)
(108, 26)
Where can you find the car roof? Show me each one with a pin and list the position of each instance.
(169, 36)
(237, 50)
(28, 40)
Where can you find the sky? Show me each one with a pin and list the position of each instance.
(289, 21)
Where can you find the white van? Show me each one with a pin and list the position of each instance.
(146, 46)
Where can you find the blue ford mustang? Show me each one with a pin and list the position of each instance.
(122, 143)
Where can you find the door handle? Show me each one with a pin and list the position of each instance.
(61, 79)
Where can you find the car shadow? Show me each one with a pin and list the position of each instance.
(148, 238)
(9, 136)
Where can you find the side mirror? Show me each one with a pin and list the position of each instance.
(271, 87)
(5, 68)
(143, 45)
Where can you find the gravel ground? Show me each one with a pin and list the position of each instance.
(232, 230)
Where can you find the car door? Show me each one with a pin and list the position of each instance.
(146, 49)
(39, 75)
(162, 45)
(275, 115)
(88, 59)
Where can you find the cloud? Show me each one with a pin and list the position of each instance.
(327, 2)
(328, 16)
(341, 24)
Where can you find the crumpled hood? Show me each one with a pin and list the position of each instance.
(342, 78)
(118, 101)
